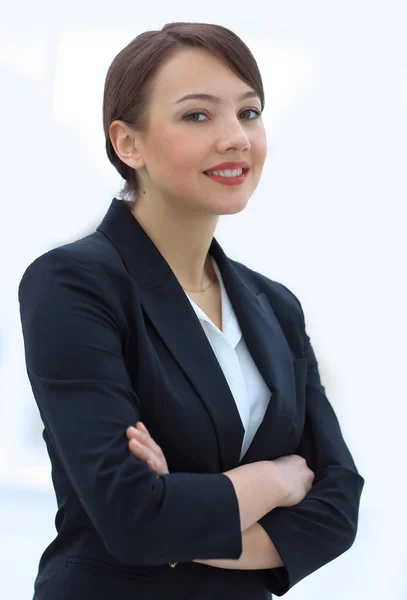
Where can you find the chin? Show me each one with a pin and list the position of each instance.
(231, 207)
(230, 204)
(232, 210)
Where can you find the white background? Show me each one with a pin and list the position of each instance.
(327, 220)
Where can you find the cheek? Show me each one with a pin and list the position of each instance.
(259, 146)
(175, 154)
(259, 153)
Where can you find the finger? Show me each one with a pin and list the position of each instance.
(131, 432)
(146, 439)
(141, 426)
(146, 455)
(155, 448)
(143, 438)
(136, 447)
(140, 451)
(152, 467)
(136, 433)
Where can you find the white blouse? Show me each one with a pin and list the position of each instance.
(248, 388)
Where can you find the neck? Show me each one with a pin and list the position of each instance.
(183, 238)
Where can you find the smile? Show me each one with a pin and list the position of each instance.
(228, 177)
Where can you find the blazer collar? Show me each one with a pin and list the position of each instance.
(171, 313)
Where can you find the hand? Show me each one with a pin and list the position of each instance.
(144, 448)
(294, 477)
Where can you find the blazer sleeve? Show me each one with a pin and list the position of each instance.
(75, 364)
(322, 526)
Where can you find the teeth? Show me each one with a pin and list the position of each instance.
(226, 173)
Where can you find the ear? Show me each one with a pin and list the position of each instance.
(126, 144)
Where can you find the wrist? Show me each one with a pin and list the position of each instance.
(275, 488)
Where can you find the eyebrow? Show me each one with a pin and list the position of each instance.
(215, 99)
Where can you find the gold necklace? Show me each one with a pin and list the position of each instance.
(201, 290)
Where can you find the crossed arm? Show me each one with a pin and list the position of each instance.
(258, 551)
(324, 524)
(67, 371)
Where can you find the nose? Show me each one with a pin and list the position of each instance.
(232, 136)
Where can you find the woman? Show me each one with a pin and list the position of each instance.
(236, 481)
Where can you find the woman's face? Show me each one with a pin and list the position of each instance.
(184, 138)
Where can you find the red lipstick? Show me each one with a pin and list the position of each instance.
(230, 166)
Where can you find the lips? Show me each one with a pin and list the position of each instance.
(231, 166)
(229, 181)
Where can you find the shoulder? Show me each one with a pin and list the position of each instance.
(86, 272)
(91, 256)
(278, 294)
(285, 304)
(86, 275)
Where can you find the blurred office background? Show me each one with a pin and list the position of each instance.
(327, 220)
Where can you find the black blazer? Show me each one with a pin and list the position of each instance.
(111, 338)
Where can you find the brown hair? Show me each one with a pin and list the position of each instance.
(129, 78)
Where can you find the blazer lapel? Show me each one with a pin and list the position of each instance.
(268, 346)
(271, 353)
(171, 313)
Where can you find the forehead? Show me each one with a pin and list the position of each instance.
(195, 70)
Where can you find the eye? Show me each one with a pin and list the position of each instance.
(191, 117)
(255, 111)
